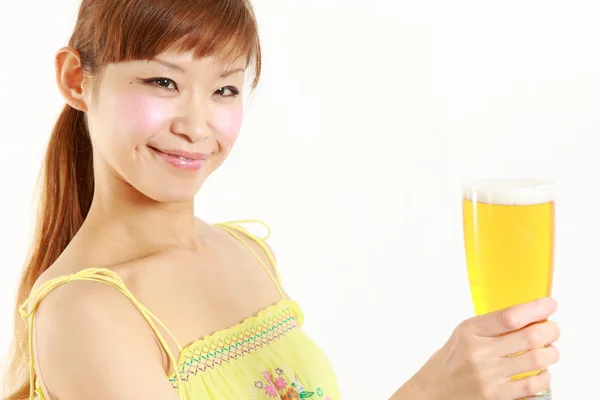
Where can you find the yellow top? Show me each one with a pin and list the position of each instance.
(265, 357)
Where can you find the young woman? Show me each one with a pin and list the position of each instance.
(127, 295)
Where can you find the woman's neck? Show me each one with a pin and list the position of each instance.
(144, 222)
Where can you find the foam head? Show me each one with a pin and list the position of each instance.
(509, 191)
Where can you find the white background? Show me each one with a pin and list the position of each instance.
(368, 117)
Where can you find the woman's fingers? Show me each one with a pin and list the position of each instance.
(532, 360)
(531, 337)
(526, 387)
(513, 318)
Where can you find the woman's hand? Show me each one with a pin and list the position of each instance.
(474, 364)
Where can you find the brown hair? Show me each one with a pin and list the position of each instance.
(109, 31)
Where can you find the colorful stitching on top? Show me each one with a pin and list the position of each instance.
(211, 353)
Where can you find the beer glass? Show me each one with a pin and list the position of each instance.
(508, 227)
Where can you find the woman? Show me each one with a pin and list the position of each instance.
(127, 295)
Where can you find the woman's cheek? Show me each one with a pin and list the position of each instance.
(228, 121)
(139, 116)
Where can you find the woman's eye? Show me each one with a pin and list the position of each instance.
(163, 83)
(227, 91)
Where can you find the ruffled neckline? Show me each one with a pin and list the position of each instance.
(248, 323)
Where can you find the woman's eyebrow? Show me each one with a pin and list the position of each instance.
(167, 64)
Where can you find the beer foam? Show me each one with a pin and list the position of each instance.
(510, 191)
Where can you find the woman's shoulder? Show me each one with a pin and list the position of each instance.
(88, 275)
(86, 325)
(77, 289)
(66, 296)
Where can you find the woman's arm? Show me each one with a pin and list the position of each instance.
(91, 343)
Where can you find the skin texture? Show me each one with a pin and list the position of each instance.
(142, 226)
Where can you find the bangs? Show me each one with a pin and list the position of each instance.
(142, 29)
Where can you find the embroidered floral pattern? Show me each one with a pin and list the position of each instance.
(291, 394)
(275, 385)
(280, 383)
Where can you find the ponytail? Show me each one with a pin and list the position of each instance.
(65, 199)
(110, 32)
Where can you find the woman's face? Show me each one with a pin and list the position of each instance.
(163, 126)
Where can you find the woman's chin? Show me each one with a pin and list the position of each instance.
(170, 195)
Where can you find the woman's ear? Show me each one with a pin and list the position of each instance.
(69, 77)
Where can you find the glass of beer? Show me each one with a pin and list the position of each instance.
(509, 243)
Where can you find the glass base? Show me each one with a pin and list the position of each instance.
(545, 395)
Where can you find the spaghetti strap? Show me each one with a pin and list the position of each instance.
(28, 309)
(232, 226)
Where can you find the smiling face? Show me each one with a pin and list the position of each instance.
(164, 125)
